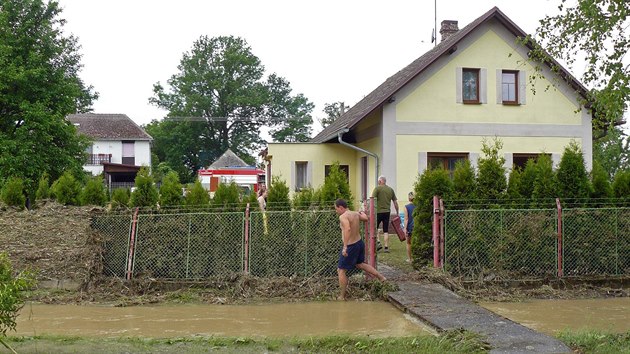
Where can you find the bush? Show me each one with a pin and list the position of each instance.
(227, 197)
(197, 195)
(601, 184)
(514, 185)
(145, 194)
(464, 183)
(528, 179)
(11, 296)
(94, 192)
(120, 197)
(545, 185)
(430, 183)
(278, 195)
(66, 189)
(13, 192)
(305, 199)
(491, 182)
(171, 190)
(621, 184)
(335, 187)
(572, 177)
(43, 188)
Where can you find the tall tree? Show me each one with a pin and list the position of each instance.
(39, 87)
(596, 30)
(220, 100)
(333, 111)
(613, 151)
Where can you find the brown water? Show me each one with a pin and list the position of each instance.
(551, 316)
(378, 319)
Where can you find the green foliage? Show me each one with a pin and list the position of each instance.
(43, 187)
(333, 111)
(13, 192)
(120, 197)
(11, 296)
(197, 195)
(66, 189)
(491, 182)
(335, 187)
(278, 195)
(528, 179)
(464, 182)
(514, 185)
(545, 185)
(600, 182)
(573, 182)
(595, 31)
(305, 199)
(431, 183)
(145, 194)
(94, 192)
(227, 197)
(39, 86)
(171, 190)
(221, 77)
(621, 184)
(612, 151)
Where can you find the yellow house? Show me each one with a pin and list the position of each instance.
(475, 84)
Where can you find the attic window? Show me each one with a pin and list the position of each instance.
(470, 85)
(509, 87)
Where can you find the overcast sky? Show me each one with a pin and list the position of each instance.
(328, 50)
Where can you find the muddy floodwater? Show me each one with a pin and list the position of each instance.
(378, 319)
(551, 316)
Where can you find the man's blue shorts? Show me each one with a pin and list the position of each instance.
(356, 255)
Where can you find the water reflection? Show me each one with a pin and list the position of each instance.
(551, 316)
(378, 319)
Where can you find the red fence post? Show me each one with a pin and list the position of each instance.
(436, 232)
(441, 233)
(246, 260)
(560, 249)
(132, 239)
(372, 224)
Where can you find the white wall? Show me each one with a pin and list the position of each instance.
(142, 152)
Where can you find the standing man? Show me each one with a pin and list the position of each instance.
(384, 195)
(353, 252)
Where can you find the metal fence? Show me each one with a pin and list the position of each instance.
(198, 245)
(523, 243)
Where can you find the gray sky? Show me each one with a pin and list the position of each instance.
(329, 50)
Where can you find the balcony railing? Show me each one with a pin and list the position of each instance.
(98, 159)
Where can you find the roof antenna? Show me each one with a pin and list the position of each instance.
(434, 33)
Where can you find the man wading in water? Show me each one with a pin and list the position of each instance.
(353, 252)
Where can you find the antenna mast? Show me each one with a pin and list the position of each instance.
(435, 22)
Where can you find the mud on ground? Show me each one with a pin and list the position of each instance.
(57, 243)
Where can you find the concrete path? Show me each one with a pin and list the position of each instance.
(444, 310)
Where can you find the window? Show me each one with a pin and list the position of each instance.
(509, 87)
(445, 160)
(128, 153)
(344, 168)
(301, 180)
(520, 160)
(470, 85)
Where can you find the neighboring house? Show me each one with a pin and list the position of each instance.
(119, 146)
(231, 168)
(475, 84)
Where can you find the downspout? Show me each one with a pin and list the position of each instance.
(345, 130)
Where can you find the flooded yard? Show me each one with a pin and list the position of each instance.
(551, 316)
(377, 319)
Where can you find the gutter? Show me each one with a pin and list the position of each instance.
(345, 130)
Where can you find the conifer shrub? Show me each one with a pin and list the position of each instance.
(196, 195)
(94, 192)
(491, 181)
(602, 188)
(66, 189)
(43, 187)
(432, 182)
(621, 185)
(13, 192)
(227, 197)
(514, 186)
(336, 187)
(528, 179)
(145, 193)
(305, 199)
(464, 183)
(171, 190)
(545, 184)
(278, 195)
(120, 197)
(573, 182)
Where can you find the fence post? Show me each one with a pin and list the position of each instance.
(371, 225)
(436, 232)
(246, 238)
(132, 238)
(442, 232)
(560, 247)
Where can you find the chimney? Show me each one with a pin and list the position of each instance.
(448, 27)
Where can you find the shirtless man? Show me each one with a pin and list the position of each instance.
(353, 252)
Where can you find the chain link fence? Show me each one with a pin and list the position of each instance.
(523, 243)
(198, 245)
